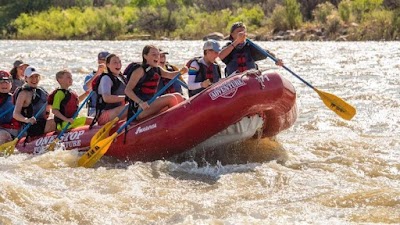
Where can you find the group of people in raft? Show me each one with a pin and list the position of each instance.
(113, 90)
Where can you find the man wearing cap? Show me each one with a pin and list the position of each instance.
(17, 73)
(238, 55)
(204, 71)
(9, 127)
(29, 100)
(101, 62)
(176, 86)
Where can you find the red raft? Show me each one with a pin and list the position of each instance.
(237, 108)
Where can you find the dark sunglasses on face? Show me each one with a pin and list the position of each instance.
(5, 81)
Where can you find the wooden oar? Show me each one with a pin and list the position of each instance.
(53, 144)
(8, 148)
(105, 130)
(95, 153)
(7, 111)
(334, 103)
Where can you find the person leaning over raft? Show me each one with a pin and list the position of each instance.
(238, 55)
(29, 99)
(9, 127)
(204, 71)
(65, 103)
(110, 92)
(143, 82)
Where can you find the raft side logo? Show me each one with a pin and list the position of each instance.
(146, 128)
(70, 139)
(227, 90)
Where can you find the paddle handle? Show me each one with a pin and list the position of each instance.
(7, 111)
(265, 53)
(29, 124)
(75, 115)
(162, 90)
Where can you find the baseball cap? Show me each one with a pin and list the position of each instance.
(17, 63)
(4, 75)
(30, 70)
(237, 25)
(212, 45)
(163, 52)
(102, 55)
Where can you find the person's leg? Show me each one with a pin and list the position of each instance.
(108, 115)
(162, 103)
(50, 126)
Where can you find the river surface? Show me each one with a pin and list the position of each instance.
(323, 170)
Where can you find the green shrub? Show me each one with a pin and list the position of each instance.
(344, 9)
(279, 20)
(293, 14)
(322, 11)
(377, 25)
(360, 7)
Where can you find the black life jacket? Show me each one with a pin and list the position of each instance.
(212, 72)
(148, 83)
(240, 60)
(68, 105)
(100, 103)
(39, 98)
(164, 81)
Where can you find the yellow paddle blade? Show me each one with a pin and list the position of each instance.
(8, 148)
(103, 132)
(94, 154)
(52, 145)
(338, 105)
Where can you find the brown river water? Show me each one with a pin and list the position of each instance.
(323, 170)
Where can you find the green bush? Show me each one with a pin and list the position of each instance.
(377, 25)
(360, 7)
(293, 14)
(278, 21)
(344, 9)
(322, 11)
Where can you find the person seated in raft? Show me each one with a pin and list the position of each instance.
(176, 86)
(204, 71)
(29, 99)
(238, 55)
(109, 88)
(65, 103)
(143, 82)
(17, 73)
(101, 67)
(9, 127)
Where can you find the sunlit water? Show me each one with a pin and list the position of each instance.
(322, 170)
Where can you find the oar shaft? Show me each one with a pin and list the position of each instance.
(29, 124)
(7, 111)
(162, 90)
(265, 53)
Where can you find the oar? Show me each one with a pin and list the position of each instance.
(8, 148)
(105, 130)
(183, 84)
(95, 153)
(7, 111)
(334, 103)
(53, 144)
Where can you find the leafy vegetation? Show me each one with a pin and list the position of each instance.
(184, 19)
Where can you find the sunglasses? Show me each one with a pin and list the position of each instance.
(5, 81)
